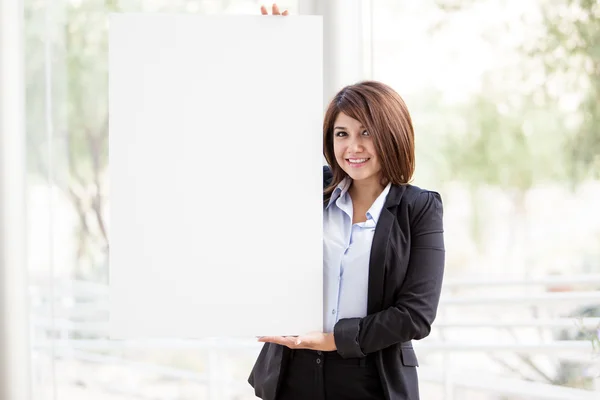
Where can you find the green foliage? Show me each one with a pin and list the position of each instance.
(502, 145)
(511, 144)
(570, 49)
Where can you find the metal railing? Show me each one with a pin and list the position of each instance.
(90, 322)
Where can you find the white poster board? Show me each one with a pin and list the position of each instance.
(215, 175)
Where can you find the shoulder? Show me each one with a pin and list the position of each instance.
(419, 201)
(418, 194)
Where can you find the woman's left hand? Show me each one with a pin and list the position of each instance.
(313, 341)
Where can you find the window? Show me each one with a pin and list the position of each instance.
(502, 97)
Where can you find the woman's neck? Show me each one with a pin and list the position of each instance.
(365, 191)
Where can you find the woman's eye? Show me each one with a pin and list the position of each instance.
(342, 133)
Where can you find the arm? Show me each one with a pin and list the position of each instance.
(416, 300)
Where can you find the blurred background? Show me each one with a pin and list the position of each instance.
(505, 98)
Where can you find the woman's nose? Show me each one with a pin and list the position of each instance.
(356, 146)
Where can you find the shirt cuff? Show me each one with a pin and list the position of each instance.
(345, 334)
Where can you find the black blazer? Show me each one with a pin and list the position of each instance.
(406, 270)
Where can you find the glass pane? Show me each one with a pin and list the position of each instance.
(504, 100)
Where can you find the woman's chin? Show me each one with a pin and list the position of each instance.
(359, 175)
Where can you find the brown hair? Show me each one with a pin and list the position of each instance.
(385, 116)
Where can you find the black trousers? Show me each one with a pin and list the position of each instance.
(316, 375)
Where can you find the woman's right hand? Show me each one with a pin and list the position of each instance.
(263, 10)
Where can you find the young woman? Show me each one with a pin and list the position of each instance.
(383, 262)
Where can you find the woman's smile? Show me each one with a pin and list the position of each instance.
(357, 162)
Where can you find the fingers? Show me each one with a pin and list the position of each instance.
(289, 341)
(312, 341)
(282, 340)
(275, 8)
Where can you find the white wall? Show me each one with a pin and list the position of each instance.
(14, 314)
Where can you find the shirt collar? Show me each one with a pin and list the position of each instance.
(340, 190)
(375, 209)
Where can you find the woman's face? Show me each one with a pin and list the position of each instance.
(354, 149)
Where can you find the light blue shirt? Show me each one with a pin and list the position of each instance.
(346, 254)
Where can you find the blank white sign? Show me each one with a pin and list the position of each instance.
(215, 175)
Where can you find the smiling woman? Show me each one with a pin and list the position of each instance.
(354, 148)
(381, 147)
(383, 264)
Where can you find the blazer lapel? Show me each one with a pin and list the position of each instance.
(379, 249)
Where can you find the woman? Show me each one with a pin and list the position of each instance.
(383, 262)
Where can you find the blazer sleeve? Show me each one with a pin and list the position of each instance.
(416, 300)
(327, 176)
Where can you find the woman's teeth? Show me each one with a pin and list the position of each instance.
(357, 160)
